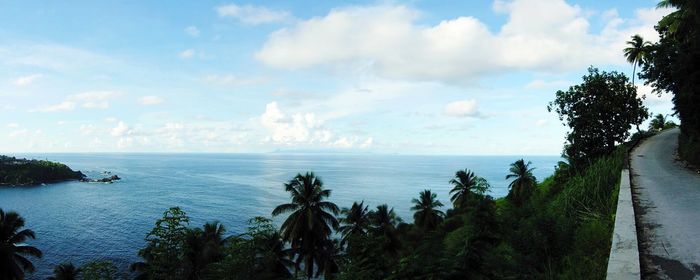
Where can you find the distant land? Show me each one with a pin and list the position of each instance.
(19, 171)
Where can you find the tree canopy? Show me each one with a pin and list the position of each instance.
(600, 112)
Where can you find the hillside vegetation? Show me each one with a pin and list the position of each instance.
(14, 171)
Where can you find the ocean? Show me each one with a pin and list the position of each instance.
(81, 222)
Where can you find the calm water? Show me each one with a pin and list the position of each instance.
(80, 222)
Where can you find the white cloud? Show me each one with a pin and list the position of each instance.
(18, 133)
(94, 99)
(286, 130)
(27, 80)
(462, 108)
(88, 129)
(232, 80)
(302, 129)
(367, 143)
(150, 100)
(172, 133)
(12, 125)
(541, 122)
(192, 31)
(121, 130)
(539, 35)
(63, 106)
(54, 57)
(253, 15)
(188, 53)
(652, 98)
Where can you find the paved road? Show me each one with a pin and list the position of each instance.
(668, 209)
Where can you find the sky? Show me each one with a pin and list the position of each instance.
(383, 77)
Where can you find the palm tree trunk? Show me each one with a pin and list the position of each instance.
(634, 70)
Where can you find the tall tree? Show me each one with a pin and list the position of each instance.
(427, 216)
(202, 247)
(164, 247)
(13, 250)
(636, 52)
(523, 181)
(658, 122)
(384, 222)
(310, 222)
(599, 112)
(354, 220)
(674, 66)
(65, 271)
(466, 185)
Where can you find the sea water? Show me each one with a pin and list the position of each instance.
(80, 222)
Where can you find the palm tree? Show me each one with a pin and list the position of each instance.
(636, 52)
(203, 247)
(466, 184)
(384, 222)
(355, 221)
(213, 239)
(523, 182)
(679, 20)
(65, 271)
(274, 258)
(658, 122)
(427, 216)
(310, 224)
(13, 263)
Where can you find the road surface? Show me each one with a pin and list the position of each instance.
(667, 198)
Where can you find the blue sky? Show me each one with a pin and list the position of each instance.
(418, 77)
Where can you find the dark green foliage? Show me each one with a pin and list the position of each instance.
(13, 250)
(523, 181)
(14, 171)
(383, 226)
(674, 66)
(354, 222)
(101, 270)
(467, 187)
(202, 247)
(260, 253)
(165, 246)
(427, 216)
(310, 222)
(659, 122)
(636, 52)
(65, 271)
(600, 113)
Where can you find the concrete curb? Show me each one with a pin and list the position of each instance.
(624, 252)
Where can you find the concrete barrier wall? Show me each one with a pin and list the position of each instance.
(624, 252)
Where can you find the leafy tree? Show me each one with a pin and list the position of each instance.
(355, 221)
(259, 253)
(659, 122)
(164, 247)
(481, 241)
(65, 271)
(600, 113)
(674, 66)
(13, 250)
(523, 181)
(427, 216)
(101, 270)
(466, 185)
(636, 52)
(310, 223)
